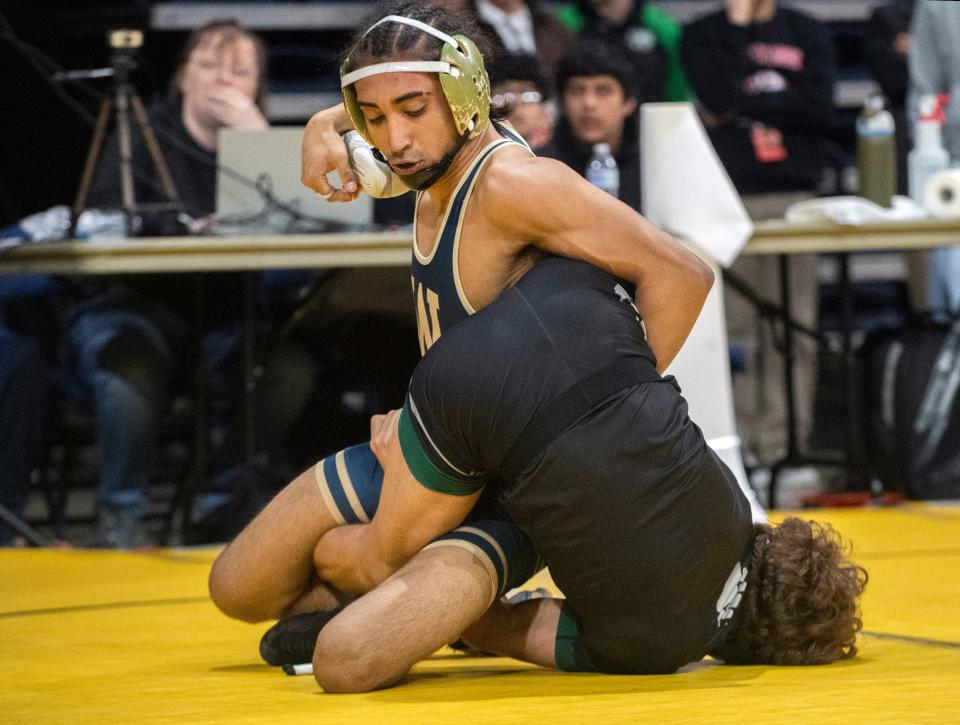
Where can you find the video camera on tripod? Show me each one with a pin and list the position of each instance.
(124, 45)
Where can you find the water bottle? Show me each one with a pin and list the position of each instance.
(602, 169)
(876, 152)
(928, 155)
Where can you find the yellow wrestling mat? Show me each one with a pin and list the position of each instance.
(112, 637)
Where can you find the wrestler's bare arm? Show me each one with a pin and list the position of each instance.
(544, 203)
(409, 516)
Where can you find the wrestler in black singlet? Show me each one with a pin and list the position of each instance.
(551, 395)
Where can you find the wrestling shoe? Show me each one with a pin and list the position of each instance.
(291, 641)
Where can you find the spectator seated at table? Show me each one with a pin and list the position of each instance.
(598, 105)
(219, 83)
(650, 36)
(128, 340)
(763, 77)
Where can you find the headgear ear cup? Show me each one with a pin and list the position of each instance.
(463, 79)
(467, 91)
(375, 176)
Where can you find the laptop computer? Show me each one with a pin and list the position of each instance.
(270, 159)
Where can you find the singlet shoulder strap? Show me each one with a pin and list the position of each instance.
(507, 132)
(456, 203)
(466, 184)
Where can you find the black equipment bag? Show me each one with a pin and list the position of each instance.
(910, 393)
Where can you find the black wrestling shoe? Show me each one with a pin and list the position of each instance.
(291, 641)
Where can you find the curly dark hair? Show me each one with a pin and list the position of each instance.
(800, 604)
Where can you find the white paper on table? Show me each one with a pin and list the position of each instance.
(686, 190)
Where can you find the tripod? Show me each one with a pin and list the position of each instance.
(123, 62)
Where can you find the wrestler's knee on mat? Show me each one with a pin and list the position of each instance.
(345, 663)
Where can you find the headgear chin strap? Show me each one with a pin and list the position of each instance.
(463, 80)
(425, 178)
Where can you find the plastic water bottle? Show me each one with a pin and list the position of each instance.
(602, 169)
(928, 155)
(876, 152)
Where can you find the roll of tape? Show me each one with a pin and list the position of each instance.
(941, 194)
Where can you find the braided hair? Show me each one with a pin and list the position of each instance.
(395, 41)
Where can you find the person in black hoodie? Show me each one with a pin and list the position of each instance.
(763, 77)
(598, 102)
